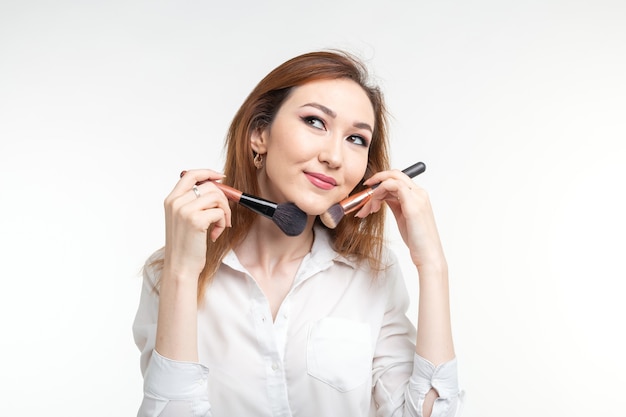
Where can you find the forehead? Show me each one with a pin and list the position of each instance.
(344, 96)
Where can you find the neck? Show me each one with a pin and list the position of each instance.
(266, 247)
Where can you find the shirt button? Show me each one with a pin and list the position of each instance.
(274, 366)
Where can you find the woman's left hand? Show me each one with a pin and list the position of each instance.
(411, 207)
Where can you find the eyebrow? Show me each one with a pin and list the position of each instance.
(332, 114)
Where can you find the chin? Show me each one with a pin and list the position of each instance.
(313, 208)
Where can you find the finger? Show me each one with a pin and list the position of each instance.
(381, 176)
(371, 206)
(396, 188)
(216, 231)
(204, 220)
(217, 223)
(195, 176)
(207, 192)
(393, 191)
(210, 198)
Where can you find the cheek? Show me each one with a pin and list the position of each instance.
(358, 171)
(286, 138)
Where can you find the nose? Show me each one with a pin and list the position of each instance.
(332, 152)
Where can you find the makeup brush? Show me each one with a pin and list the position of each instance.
(288, 217)
(335, 213)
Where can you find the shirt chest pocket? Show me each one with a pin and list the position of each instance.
(339, 353)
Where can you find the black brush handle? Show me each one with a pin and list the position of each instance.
(412, 171)
(415, 169)
(259, 205)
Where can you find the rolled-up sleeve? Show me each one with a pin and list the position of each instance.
(173, 388)
(443, 378)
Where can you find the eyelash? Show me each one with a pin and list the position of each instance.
(310, 119)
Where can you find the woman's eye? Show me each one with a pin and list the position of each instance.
(314, 121)
(357, 140)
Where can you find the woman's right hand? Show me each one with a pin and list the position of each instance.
(188, 219)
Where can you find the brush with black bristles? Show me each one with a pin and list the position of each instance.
(335, 213)
(288, 217)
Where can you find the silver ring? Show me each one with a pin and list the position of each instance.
(196, 191)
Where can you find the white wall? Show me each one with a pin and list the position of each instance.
(517, 107)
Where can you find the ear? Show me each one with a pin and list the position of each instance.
(258, 140)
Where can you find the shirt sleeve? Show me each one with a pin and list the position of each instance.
(401, 378)
(171, 388)
(443, 378)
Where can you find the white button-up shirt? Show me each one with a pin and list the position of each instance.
(341, 345)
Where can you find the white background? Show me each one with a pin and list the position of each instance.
(518, 108)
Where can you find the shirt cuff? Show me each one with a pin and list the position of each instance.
(175, 380)
(443, 378)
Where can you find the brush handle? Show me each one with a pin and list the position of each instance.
(412, 171)
(358, 200)
(257, 204)
(231, 193)
(415, 169)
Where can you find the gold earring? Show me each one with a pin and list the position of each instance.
(258, 161)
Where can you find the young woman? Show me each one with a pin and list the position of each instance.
(237, 318)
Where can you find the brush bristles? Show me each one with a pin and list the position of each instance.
(290, 219)
(332, 216)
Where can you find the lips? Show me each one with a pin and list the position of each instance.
(321, 181)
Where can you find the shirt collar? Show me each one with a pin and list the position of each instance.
(321, 256)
